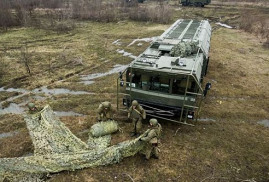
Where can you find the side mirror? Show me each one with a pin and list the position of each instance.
(207, 87)
(121, 82)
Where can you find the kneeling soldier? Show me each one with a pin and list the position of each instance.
(32, 108)
(136, 113)
(105, 111)
(152, 137)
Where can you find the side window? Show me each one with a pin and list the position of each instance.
(136, 81)
(128, 75)
(159, 84)
(179, 86)
(145, 82)
(155, 83)
(164, 85)
(135, 77)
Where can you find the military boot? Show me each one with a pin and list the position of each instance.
(155, 153)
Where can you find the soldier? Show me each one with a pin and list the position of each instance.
(136, 113)
(32, 108)
(152, 137)
(105, 111)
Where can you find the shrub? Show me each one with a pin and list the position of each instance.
(6, 18)
(256, 23)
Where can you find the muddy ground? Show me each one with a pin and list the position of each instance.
(230, 141)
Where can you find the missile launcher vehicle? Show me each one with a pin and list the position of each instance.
(166, 79)
(197, 3)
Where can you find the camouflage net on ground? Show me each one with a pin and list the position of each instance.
(57, 149)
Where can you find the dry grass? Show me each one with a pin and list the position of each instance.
(249, 3)
(233, 148)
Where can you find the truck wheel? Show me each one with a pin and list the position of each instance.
(198, 4)
(206, 66)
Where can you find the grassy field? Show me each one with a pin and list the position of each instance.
(230, 146)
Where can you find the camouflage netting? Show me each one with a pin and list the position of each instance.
(104, 128)
(99, 142)
(184, 49)
(57, 149)
(50, 135)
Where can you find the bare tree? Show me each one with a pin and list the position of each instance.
(5, 14)
(25, 58)
(3, 67)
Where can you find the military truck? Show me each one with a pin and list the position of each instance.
(197, 3)
(132, 1)
(166, 79)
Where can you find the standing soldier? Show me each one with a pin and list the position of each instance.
(136, 113)
(105, 111)
(152, 137)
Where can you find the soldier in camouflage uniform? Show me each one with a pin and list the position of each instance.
(32, 108)
(105, 111)
(136, 113)
(152, 137)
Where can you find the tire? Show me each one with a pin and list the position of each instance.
(206, 67)
(198, 4)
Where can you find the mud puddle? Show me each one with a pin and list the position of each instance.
(206, 120)
(67, 113)
(264, 122)
(88, 79)
(45, 90)
(224, 25)
(142, 40)
(117, 42)
(127, 54)
(12, 109)
(57, 91)
(232, 98)
(8, 134)
(20, 90)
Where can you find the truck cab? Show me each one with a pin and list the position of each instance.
(166, 78)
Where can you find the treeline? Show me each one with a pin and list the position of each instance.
(255, 22)
(21, 12)
(250, 1)
(58, 14)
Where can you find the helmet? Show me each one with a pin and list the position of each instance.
(31, 105)
(106, 104)
(153, 121)
(134, 103)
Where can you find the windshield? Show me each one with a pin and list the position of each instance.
(161, 82)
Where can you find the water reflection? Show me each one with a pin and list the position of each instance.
(20, 90)
(67, 113)
(127, 54)
(206, 119)
(117, 42)
(57, 91)
(264, 122)
(88, 79)
(224, 25)
(143, 39)
(12, 109)
(8, 134)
